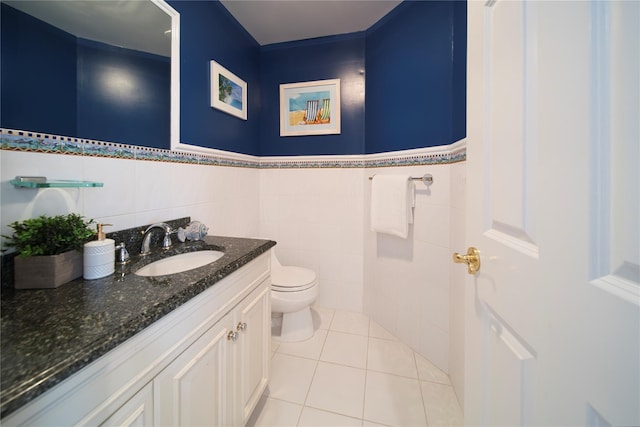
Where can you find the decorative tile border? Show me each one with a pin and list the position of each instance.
(453, 153)
(310, 163)
(34, 142)
(25, 141)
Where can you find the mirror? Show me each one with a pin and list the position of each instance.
(96, 69)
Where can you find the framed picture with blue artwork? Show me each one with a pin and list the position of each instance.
(228, 91)
(310, 108)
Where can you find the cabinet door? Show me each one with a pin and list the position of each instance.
(252, 350)
(137, 412)
(194, 389)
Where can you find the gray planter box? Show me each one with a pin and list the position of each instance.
(38, 272)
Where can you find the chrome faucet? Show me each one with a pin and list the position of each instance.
(146, 237)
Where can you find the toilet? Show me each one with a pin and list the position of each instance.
(293, 290)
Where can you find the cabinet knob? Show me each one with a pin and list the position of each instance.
(241, 326)
(232, 335)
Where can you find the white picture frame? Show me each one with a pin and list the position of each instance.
(228, 91)
(310, 108)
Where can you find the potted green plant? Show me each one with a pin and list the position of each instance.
(49, 249)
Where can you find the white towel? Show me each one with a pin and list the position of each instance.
(392, 199)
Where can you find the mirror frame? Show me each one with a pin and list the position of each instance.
(174, 125)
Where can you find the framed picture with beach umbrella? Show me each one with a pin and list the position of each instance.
(310, 108)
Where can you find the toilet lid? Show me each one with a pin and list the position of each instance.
(292, 279)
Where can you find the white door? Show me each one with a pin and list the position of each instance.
(552, 316)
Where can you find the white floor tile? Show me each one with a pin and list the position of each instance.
(310, 349)
(350, 322)
(392, 357)
(353, 372)
(427, 371)
(441, 405)
(290, 377)
(337, 388)
(377, 331)
(322, 317)
(275, 413)
(393, 400)
(312, 417)
(345, 349)
(366, 423)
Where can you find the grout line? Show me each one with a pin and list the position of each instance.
(313, 377)
(366, 371)
(424, 406)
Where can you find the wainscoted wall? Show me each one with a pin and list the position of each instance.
(317, 217)
(136, 190)
(316, 208)
(408, 280)
(458, 275)
(319, 214)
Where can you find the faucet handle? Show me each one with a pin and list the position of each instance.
(166, 242)
(123, 256)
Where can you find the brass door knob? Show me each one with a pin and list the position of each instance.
(472, 259)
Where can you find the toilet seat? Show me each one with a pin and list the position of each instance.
(292, 279)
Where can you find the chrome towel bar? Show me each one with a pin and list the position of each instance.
(427, 178)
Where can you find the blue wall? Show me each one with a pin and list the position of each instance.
(208, 31)
(338, 57)
(74, 87)
(411, 65)
(416, 77)
(459, 72)
(38, 80)
(126, 87)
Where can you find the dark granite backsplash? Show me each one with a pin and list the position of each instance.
(131, 237)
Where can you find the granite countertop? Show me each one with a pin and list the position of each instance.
(47, 335)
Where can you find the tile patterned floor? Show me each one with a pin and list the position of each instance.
(354, 373)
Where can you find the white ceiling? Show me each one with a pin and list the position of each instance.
(276, 21)
(138, 25)
(141, 25)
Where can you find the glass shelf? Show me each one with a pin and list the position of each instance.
(43, 182)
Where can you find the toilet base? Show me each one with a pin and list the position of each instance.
(296, 326)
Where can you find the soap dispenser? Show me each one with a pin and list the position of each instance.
(99, 256)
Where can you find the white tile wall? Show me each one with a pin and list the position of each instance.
(316, 216)
(458, 279)
(134, 192)
(407, 280)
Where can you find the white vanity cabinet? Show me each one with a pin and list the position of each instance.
(137, 412)
(251, 352)
(219, 379)
(195, 389)
(204, 363)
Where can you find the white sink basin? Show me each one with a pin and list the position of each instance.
(179, 263)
